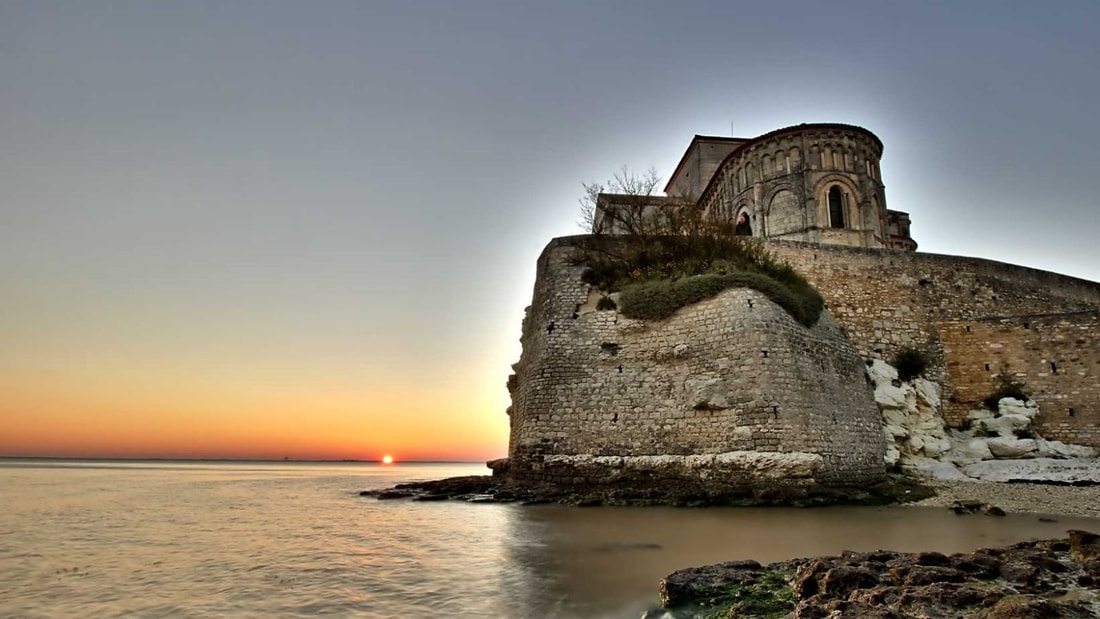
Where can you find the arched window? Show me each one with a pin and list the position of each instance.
(742, 227)
(836, 207)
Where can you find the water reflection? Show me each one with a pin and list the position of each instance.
(606, 562)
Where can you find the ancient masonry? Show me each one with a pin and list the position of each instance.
(732, 396)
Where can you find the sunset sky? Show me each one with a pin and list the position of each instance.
(309, 229)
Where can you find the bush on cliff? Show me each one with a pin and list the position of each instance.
(910, 363)
(1007, 387)
(659, 275)
(657, 299)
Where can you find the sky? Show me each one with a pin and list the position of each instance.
(262, 229)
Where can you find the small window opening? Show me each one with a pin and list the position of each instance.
(1071, 411)
(987, 367)
(1053, 368)
(968, 328)
(836, 208)
(743, 227)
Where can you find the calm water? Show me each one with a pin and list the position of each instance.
(163, 539)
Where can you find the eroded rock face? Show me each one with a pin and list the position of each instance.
(998, 446)
(601, 399)
(1050, 578)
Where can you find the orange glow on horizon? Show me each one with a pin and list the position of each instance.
(71, 414)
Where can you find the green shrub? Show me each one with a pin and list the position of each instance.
(1008, 387)
(910, 363)
(658, 299)
(605, 304)
(667, 272)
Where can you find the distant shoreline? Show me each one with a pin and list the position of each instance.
(231, 460)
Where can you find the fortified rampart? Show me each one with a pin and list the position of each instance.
(729, 395)
(975, 318)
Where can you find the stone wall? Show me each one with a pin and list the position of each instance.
(967, 314)
(728, 378)
(1057, 357)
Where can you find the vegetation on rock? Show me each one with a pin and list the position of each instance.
(668, 253)
(606, 304)
(768, 596)
(1056, 579)
(910, 363)
(1007, 387)
(657, 299)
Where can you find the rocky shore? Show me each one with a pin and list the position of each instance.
(1040, 579)
(489, 489)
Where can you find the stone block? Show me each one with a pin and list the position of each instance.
(1005, 447)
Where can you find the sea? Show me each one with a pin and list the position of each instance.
(95, 538)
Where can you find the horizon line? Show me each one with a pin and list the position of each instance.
(186, 459)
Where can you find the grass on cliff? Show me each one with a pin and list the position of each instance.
(659, 274)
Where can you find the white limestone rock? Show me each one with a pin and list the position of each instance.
(918, 441)
(936, 447)
(1058, 449)
(1005, 425)
(1012, 406)
(894, 431)
(881, 373)
(1005, 447)
(774, 464)
(934, 469)
(765, 464)
(978, 415)
(928, 392)
(915, 444)
(1036, 469)
(892, 454)
(889, 396)
(896, 417)
(965, 450)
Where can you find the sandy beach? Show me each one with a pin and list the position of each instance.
(1020, 498)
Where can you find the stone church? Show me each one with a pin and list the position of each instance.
(816, 183)
(730, 398)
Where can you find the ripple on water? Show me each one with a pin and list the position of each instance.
(297, 540)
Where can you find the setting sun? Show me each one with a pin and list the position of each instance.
(387, 459)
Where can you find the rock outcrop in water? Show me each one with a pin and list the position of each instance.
(486, 489)
(1031, 580)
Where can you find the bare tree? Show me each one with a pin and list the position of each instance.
(625, 183)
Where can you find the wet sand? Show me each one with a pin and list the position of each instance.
(1020, 498)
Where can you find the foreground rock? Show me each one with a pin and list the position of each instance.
(488, 489)
(1041, 579)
